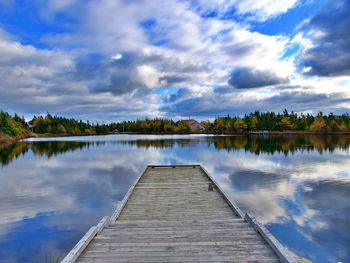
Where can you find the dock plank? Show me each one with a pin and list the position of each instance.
(178, 214)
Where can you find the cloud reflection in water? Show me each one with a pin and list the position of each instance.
(52, 192)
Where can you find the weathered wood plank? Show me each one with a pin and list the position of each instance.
(178, 238)
(224, 195)
(180, 183)
(265, 253)
(203, 258)
(231, 243)
(177, 214)
(183, 222)
(182, 228)
(240, 230)
(115, 247)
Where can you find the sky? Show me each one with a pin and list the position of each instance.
(113, 60)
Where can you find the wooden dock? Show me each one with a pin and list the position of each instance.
(178, 214)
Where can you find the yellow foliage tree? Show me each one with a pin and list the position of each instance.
(253, 122)
(285, 124)
(240, 125)
(61, 129)
(206, 125)
(319, 125)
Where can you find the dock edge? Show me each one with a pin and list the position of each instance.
(282, 253)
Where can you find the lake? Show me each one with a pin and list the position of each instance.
(52, 190)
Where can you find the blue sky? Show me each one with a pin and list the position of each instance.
(111, 60)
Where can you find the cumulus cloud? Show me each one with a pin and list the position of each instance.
(247, 78)
(35, 81)
(262, 10)
(241, 102)
(255, 10)
(328, 31)
(133, 72)
(117, 76)
(14, 54)
(108, 59)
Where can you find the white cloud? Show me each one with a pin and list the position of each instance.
(255, 10)
(166, 45)
(262, 10)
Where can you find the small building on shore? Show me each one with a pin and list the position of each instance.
(194, 125)
(31, 127)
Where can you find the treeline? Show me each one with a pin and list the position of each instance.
(270, 121)
(151, 126)
(63, 126)
(16, 126)
(257, 121)
(13, 126)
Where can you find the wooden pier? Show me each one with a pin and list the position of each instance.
(178, 214)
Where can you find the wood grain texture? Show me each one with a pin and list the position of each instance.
(178, 214)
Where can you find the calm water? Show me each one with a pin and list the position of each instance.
(53, 190)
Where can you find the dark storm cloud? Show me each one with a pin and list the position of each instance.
(330, 55)
(247, 78)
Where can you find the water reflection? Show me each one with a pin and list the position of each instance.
(51, 192)
(254, 144)
(257, 144)
(48, 148)
(324, 215)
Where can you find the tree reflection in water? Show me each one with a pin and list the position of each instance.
(256, 144)
(296, 185)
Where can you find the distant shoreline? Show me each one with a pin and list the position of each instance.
(6, 140)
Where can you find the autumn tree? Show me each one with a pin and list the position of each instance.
(253, 122)
(285, 124)
(319, 125)
(240, 125)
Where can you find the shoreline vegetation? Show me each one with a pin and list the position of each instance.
(13, 128)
